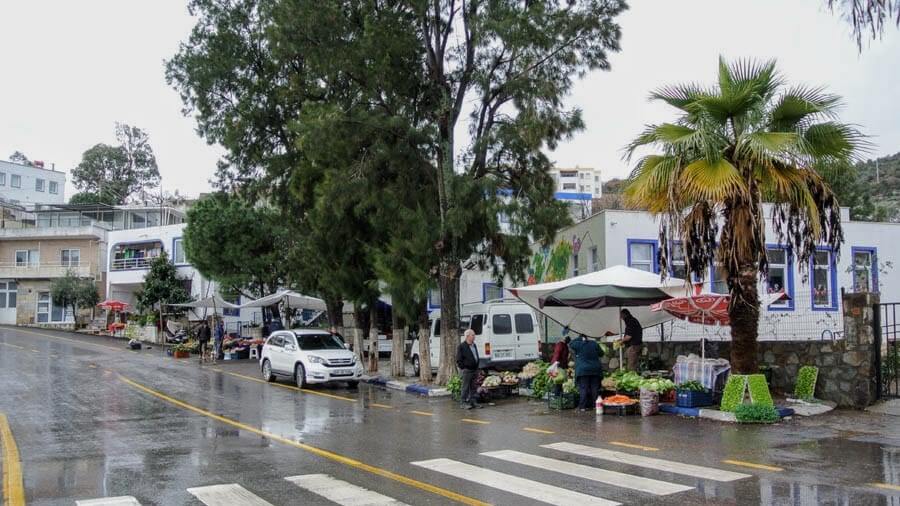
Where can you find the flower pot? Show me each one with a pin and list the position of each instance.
(181, 354)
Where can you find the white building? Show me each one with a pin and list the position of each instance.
(577, 187)
(867, 260)
(31, 184)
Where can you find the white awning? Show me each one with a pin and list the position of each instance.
(290, 299)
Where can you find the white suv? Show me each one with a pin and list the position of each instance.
(309, 356)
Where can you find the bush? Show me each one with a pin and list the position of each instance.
(735, 389)
(759, 390)
(454, 386)
(756, 413)
(805, 388)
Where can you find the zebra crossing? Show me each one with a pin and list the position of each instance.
(334, 491)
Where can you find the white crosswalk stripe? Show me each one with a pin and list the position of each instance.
(513, 484)
(227, 495)
(341, 492)
(617, 479)
(125, 500)
(669, 466)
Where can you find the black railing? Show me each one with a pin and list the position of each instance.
(887, 352)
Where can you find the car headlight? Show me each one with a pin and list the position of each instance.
(353, 358)
(316, 360)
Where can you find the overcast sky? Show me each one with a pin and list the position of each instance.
(72, 69)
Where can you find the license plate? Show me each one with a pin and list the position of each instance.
(342, 372)
(503, 354)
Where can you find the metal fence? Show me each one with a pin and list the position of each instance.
(887, 355)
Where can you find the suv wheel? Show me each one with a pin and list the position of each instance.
(267, 371)
(352, 384)
(300, 376)
(415, 362)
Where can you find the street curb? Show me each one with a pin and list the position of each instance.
(412, 388)
(713, 414)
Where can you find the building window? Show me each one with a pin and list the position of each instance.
(232, 312)
(575, 270)
(38, 185)
(491, 291)
(596, 179)
(719, 282)
(8, 294)
(70, 257)
(568, 186)
(27, 258)
(865, 270)
(434, 298)
(178, 252)
(581, 188)
(47, 312)
(54, 187)
(582, 175)
(595, 259)
(568, 173)
(642, 254)
(15, 180)
(823, 280)
(677, 264)
(2, 178)
(781, 278)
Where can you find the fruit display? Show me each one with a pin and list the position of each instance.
(508, 378)
(491, 381)
(619, 400)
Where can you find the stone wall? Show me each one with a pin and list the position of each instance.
(846, 367)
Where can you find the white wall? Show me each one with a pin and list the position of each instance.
(26, 193)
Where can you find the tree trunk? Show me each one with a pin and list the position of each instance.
(398, 336)
(335, 309)
(449, 283)
(744, 314)
(358, 333)
(424, 346)
(373, 338)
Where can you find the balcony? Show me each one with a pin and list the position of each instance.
(127, 264)
(45, 270)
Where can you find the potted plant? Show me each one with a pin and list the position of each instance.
(182, 350)
(692, 394)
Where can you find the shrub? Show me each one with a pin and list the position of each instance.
(734, 393)
(759, 390)
(805, 388)
(756, 413)
(454, 386)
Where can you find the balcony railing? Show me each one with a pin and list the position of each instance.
(126, 264)
(15, 270)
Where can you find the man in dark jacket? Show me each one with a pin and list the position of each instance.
(467, 362)
(633, 340)
(203, 336)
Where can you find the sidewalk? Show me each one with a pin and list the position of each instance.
(409, 384)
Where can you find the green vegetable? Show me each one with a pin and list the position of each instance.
(759, 390)
(454, 386)
(806, 383)
(735, 391)
(693, 386)
(541, 382)
(756, 413)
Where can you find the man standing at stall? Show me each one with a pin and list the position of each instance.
(633, 339)
(467, 362)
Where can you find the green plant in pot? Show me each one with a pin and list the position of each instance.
(756, 413)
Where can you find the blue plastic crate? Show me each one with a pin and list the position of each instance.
(693, 399)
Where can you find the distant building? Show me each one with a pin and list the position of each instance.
(577, 187)
(31, 184)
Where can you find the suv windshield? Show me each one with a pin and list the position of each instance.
(319, 342)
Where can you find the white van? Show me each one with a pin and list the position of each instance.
(506, 333)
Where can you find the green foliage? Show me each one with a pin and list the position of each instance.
(693, 386)
(541, 383)
(759, 390)
(161, 286)
(106, 198)
(113, 174)
(454, 386)
(805, 389)
(657, 385)
(73, 292)
(627, 381)
(756, 413)
(735, 391)
(20, 158)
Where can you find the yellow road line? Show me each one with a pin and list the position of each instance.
(13, 345)
(312, 449)
(480, 422)
(421, 413)
(538, 431)
(886, 486)
(636, 447)
(13, 491)
(384, 406)
(752, 465)
(291, 387)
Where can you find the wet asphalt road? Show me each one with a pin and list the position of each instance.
(93, 420)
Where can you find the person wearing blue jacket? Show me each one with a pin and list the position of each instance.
(588, 370)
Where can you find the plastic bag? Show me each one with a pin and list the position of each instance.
(649, 402)
(553, 370)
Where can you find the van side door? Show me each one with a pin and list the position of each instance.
(502, 338)
(526, 336)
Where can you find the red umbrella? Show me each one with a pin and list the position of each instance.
(113, 305)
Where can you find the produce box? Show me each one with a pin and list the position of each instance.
(622, 410)
(693, 399)
(562, 401)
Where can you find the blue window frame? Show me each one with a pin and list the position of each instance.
(864, 265)
(642, 254)
(434, 298)
(491, 291)
(232, 312)
(823, 280)
(781, 275)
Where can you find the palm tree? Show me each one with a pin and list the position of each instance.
(746, 140)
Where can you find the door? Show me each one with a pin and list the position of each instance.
(526, 336)
(502, 340)
(275, 345)
(8, 298)
(289, 352)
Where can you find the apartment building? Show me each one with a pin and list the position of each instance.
(31, 184)
(577, 187)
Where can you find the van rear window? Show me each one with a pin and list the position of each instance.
(477, 323)
(502, 324)
(524, 324)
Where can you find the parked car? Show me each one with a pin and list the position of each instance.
(309, 356)
(505, 331)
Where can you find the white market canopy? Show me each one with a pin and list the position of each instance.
(290, 299)
(590, 304)
(211, 302)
